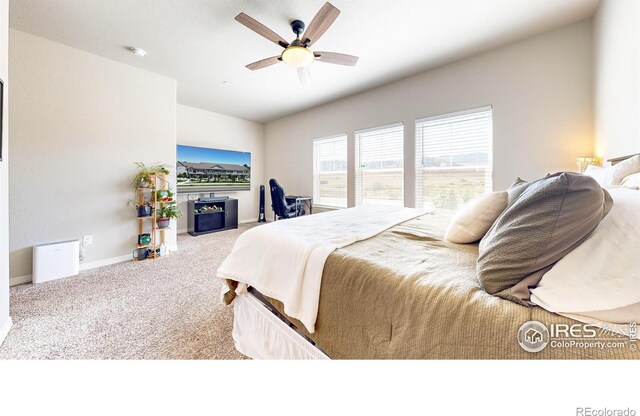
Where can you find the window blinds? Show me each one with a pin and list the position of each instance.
(380, 166)
(330, 171)
(453, 158)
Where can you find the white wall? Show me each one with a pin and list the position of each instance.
(617, 78)
(5, 321)
(78, 124)
(206, 129)
(540, 90)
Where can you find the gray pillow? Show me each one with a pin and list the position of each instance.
(516, 189)
(549, 218)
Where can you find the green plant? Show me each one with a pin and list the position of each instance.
(161, 197)
(169, 211)
(144, 204)
(137, 204)
(139, 207)
(143, 175)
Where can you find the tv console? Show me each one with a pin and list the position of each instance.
(210, 215)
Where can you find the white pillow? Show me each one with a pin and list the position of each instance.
(474, 219)
(631, 181)
(599, 281)
(615, 174)
(596, 172)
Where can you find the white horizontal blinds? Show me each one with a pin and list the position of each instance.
(453, 158)
(380, 166)
(330, 171)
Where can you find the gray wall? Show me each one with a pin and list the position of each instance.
(617, 78)
(540, 90)
(4, 173)
(78, 124)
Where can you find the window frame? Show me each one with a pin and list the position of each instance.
(315, 173)
(419, 198)
(357, 168)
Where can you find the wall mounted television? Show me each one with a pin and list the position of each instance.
(201, 169)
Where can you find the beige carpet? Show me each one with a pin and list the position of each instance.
(167, 308)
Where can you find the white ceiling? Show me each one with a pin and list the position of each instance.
(199, 43)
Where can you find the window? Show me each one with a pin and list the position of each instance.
(453, 158)
(330, 171)
(380, 166)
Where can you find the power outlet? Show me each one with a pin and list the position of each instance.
(87, 240)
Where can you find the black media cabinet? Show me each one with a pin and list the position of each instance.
(212, 215)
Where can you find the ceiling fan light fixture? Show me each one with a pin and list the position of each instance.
(297, 56)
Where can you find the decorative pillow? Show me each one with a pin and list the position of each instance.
(615, 174)
(551, 217)
(598, 173)
(516, 189)
(600, 280)
(631, 181)
(474, 219)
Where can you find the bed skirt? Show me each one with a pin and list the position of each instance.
(259, 334)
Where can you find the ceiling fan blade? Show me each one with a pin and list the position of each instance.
(261, 29)
(263, 63)
(320, 23)
(336, 58)
(305, 76)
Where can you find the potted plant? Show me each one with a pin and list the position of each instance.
(145, 209)
(143, 175)
(164, 195)
(165, 213)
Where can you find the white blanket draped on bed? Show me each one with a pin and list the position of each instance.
(285, 259)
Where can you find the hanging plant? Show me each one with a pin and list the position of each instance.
(144, 173)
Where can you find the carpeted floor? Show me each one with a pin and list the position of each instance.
(167, 308)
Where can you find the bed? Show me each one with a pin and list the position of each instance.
(406, 293)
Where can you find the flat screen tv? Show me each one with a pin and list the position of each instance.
(201, 169)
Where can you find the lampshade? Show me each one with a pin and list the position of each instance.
(297, 56)
(584, 161)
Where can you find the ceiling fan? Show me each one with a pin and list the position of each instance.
(298, 53)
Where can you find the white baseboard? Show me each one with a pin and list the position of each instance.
(105, 262)
(184, 230)
(4, 331)
(18, 280)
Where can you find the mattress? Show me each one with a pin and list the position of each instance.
(261, 334)
(408, 294)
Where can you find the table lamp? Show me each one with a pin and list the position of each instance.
(584, 161)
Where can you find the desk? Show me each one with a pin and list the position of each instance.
(301, 199)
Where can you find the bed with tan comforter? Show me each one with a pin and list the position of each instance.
(408, 294)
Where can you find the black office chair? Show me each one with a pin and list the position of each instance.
(282, 208)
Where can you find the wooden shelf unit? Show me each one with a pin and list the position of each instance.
(158, 183)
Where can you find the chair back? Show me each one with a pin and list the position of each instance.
(278, 201)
